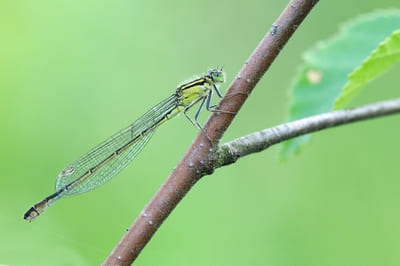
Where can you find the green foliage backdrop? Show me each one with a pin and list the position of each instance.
(74, 72)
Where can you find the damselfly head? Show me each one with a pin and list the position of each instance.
(216, 75)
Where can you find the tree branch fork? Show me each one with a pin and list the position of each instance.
(204, 155)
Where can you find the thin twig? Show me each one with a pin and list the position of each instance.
(200, 158)
(258, 141)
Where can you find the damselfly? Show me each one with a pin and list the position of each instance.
(107, 159)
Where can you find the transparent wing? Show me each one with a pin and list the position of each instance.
(104, 150)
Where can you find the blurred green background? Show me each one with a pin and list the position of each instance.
(74, 72)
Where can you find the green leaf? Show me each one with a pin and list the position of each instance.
(384, 57)
(326, 66)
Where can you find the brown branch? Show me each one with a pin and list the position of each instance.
(200, 158)
(261, 140)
